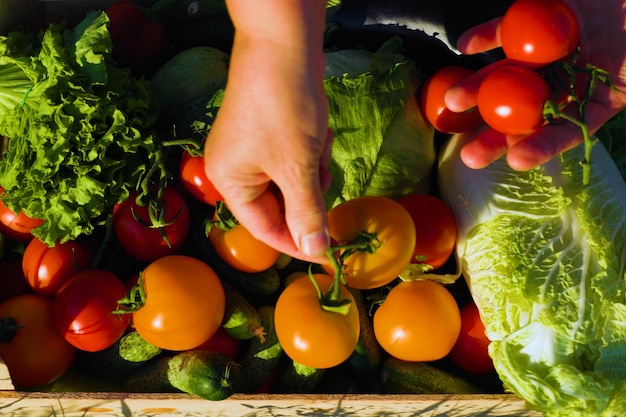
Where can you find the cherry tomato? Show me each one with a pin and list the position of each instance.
(471, 350)
(309, 334)
(222, 342)
(418, 321)
(184, 303)
(511, 100)
(435, 229)
(17, 227)
(236, 246)
(431, 99)
(36, 353)
(393, 233)
(12, 280)
(84, 310)
(47, 268)
(194, 179)
(539, 31)
(159, 228)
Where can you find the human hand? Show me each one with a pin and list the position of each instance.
(603, 44)
(269, 148)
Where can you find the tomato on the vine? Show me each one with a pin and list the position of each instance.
(195, 180)
(539, 31)
(84, 310)
(236, 246)
(418, 321)
(384, 233)
(309, 334)
(511, 99)
(431, 99)
(47, 268)
(184, 303)
(471, 350)
(16, 226)
(435, 229)
(34, 352)
(149, 231)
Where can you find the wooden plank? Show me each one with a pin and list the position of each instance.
(34, 404)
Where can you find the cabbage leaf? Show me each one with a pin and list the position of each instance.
(545, 259)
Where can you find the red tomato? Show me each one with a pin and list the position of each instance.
(236, 246)
(222, 342)
(17, 227)
(154, 230)
(471, 350)
(391, 248)
(309, 334)
(418, 321)
(36, 353)
(539, 31)
(184, 304)
(435, 229)
(194, 179)
(12, 280)
(47, 268)
(511, 100)
(84, 306)
(431, 98)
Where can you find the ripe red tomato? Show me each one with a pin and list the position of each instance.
(194, 179)
(17, 227)
(236, 246)
(431, 99)
(511, 100)
(184, 304)
(222, 342)
(394, 236)
(471, 350)
(309, 334)
(148, 232)
(418, 321)
(435, 229)
(84, 306)
(36, 353)
(12, 280)
(539, 31)
(47, 268)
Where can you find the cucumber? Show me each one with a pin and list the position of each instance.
(127, 353)
(297, 379)
(262, 356)
(402, 377)
(365, 361)
(241, 319)
(207, 374)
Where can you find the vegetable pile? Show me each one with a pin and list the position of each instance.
(441, 278)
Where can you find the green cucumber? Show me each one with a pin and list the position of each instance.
(241, 319)
(127, 353)
(402, 377)
(207, 374)
(365, 361)
(297, 379)
(262, 356)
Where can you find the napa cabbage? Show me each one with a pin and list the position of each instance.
(545, 258)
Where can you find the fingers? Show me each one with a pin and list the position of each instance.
(481, 38)
(488, 146)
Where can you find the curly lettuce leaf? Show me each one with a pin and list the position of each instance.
(545, 258)
(79, 128)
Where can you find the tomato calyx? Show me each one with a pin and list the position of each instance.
(134, 300)
(8, 327)
(156, 213)
(223, 219)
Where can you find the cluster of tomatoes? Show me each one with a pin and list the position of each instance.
(513, 92)
(63, 299)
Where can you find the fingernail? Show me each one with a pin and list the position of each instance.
(315, 244)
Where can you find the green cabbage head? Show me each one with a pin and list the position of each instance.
(545, 259)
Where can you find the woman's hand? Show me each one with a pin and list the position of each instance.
(603, 44)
